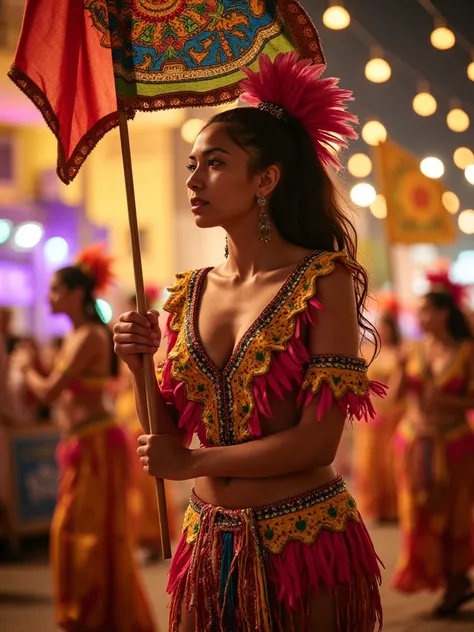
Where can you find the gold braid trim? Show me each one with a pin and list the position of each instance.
(276, 336)
(301, 525)
(340, 373)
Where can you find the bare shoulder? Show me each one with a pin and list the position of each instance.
(91, 334)
(336, 330)
(337, 285)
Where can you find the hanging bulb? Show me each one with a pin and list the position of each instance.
(377, 69)
(336, 17)
(432, 167)
(359, 165)
(469, 174)
(457, 120)
(463, 157)
(442, 37)
(451, 202)
(363, 194)
(466, 222)
(424, 103)
(374, 133)
(470, 70)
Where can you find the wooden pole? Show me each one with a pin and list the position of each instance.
(148, 367)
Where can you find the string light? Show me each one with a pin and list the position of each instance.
(374, 133)
(451, 202)
(469, 174)
(336, 17)
(457, 120)
(378, 208)
(363, 194)
(6, 228)
(377, 69)
(359, 165)
(432, 167)
(470, 71)
(442, 37)
(424, 103)
(28, 235)
(466, 222)
(463, 157)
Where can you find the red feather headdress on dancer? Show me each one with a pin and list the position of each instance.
(94, 262)
(440, 282)
(389, 305)
(292, 86)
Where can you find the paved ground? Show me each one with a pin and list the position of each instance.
(25, 595)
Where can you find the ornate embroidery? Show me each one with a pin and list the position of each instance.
(177, 300)
(226, 396)
(340, 373)
(301, 518)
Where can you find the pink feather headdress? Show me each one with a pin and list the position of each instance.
(289, 85)
(440, 282)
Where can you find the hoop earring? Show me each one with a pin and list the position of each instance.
(226, 248)
(264, 228)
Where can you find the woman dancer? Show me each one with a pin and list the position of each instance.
(262, 364)
(96, 583)
(373, 462)
(434, 451)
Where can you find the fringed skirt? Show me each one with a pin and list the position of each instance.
(251, 569)
(96, 582)
(435, 482)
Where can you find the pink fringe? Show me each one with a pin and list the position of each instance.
(355, 406)
(286, 369)
(335, 560)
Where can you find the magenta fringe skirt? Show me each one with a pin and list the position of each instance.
(249, 570)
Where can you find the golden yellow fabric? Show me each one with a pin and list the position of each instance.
(339, 381)
(254, 360)
(302, 525)
(454, 371)
(96, 580)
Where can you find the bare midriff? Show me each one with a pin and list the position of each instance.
(240, 493)
(76, 409)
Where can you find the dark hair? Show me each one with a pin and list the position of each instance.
(304, 205)
(457, 323)
(392, 324)
(73, 277)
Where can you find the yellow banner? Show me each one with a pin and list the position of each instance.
(415, 211)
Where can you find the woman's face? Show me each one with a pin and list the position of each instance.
(60, 296)
(431, 319)
(220, 188)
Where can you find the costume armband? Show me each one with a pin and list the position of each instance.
(341, 379)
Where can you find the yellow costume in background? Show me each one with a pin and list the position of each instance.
(143, 491)
(373, 453)
(435, 480)
(96, 580)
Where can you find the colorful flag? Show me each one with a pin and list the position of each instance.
(415, 211)
(77, 58)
